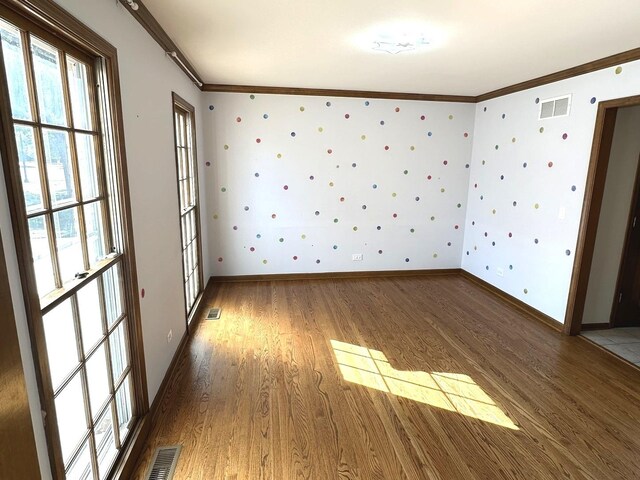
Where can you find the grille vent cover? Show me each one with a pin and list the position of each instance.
(214, 314)
(555, 107)
(164, 463)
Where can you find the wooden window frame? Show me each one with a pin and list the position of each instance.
(53, 22)
(180, 105)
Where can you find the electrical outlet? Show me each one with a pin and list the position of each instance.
(169, 336)
(356, 257)
(500, 272)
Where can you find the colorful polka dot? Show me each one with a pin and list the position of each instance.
(618, 70)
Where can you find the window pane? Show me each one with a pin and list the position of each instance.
(111, 281)
(87, 165)
(14, 65)
(41, 255)
(95, 232)
(98, 380)
(81, 467)
(90, 316)
(79, 92)
(29, 169)
(46, 66)
(105, 443)
(183, 226)
(68, 243)
(124, 406)
(118, 343)
(192, 224)
(59, 169)
(70, 413)
(60, 336)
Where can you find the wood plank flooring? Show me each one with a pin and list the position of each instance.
(261, 395)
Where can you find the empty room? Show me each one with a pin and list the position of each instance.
(319, 240)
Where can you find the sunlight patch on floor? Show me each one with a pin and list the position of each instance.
(450, 391)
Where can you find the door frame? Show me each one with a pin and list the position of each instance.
(592, 203)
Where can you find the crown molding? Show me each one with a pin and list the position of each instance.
(326, 92)
(151, 25)
(610, 61)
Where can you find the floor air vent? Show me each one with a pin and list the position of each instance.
(214, 314)
(164, 463)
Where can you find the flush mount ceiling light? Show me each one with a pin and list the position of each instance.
(401, 36)
(397, 43)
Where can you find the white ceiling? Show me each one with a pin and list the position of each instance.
(478, 45)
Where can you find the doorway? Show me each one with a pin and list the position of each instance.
(604, 300)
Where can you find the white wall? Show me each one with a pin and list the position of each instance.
(612, 224)
(539, 274)
(147, 79)
(293, 157)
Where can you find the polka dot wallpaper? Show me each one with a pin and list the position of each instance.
(300, 184)
(527, 185)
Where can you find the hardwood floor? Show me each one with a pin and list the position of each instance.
(460, 386)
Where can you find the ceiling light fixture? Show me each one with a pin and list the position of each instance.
(397, 43)
(133, 5)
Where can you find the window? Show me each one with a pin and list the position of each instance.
(184, 130)
(66, 196)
